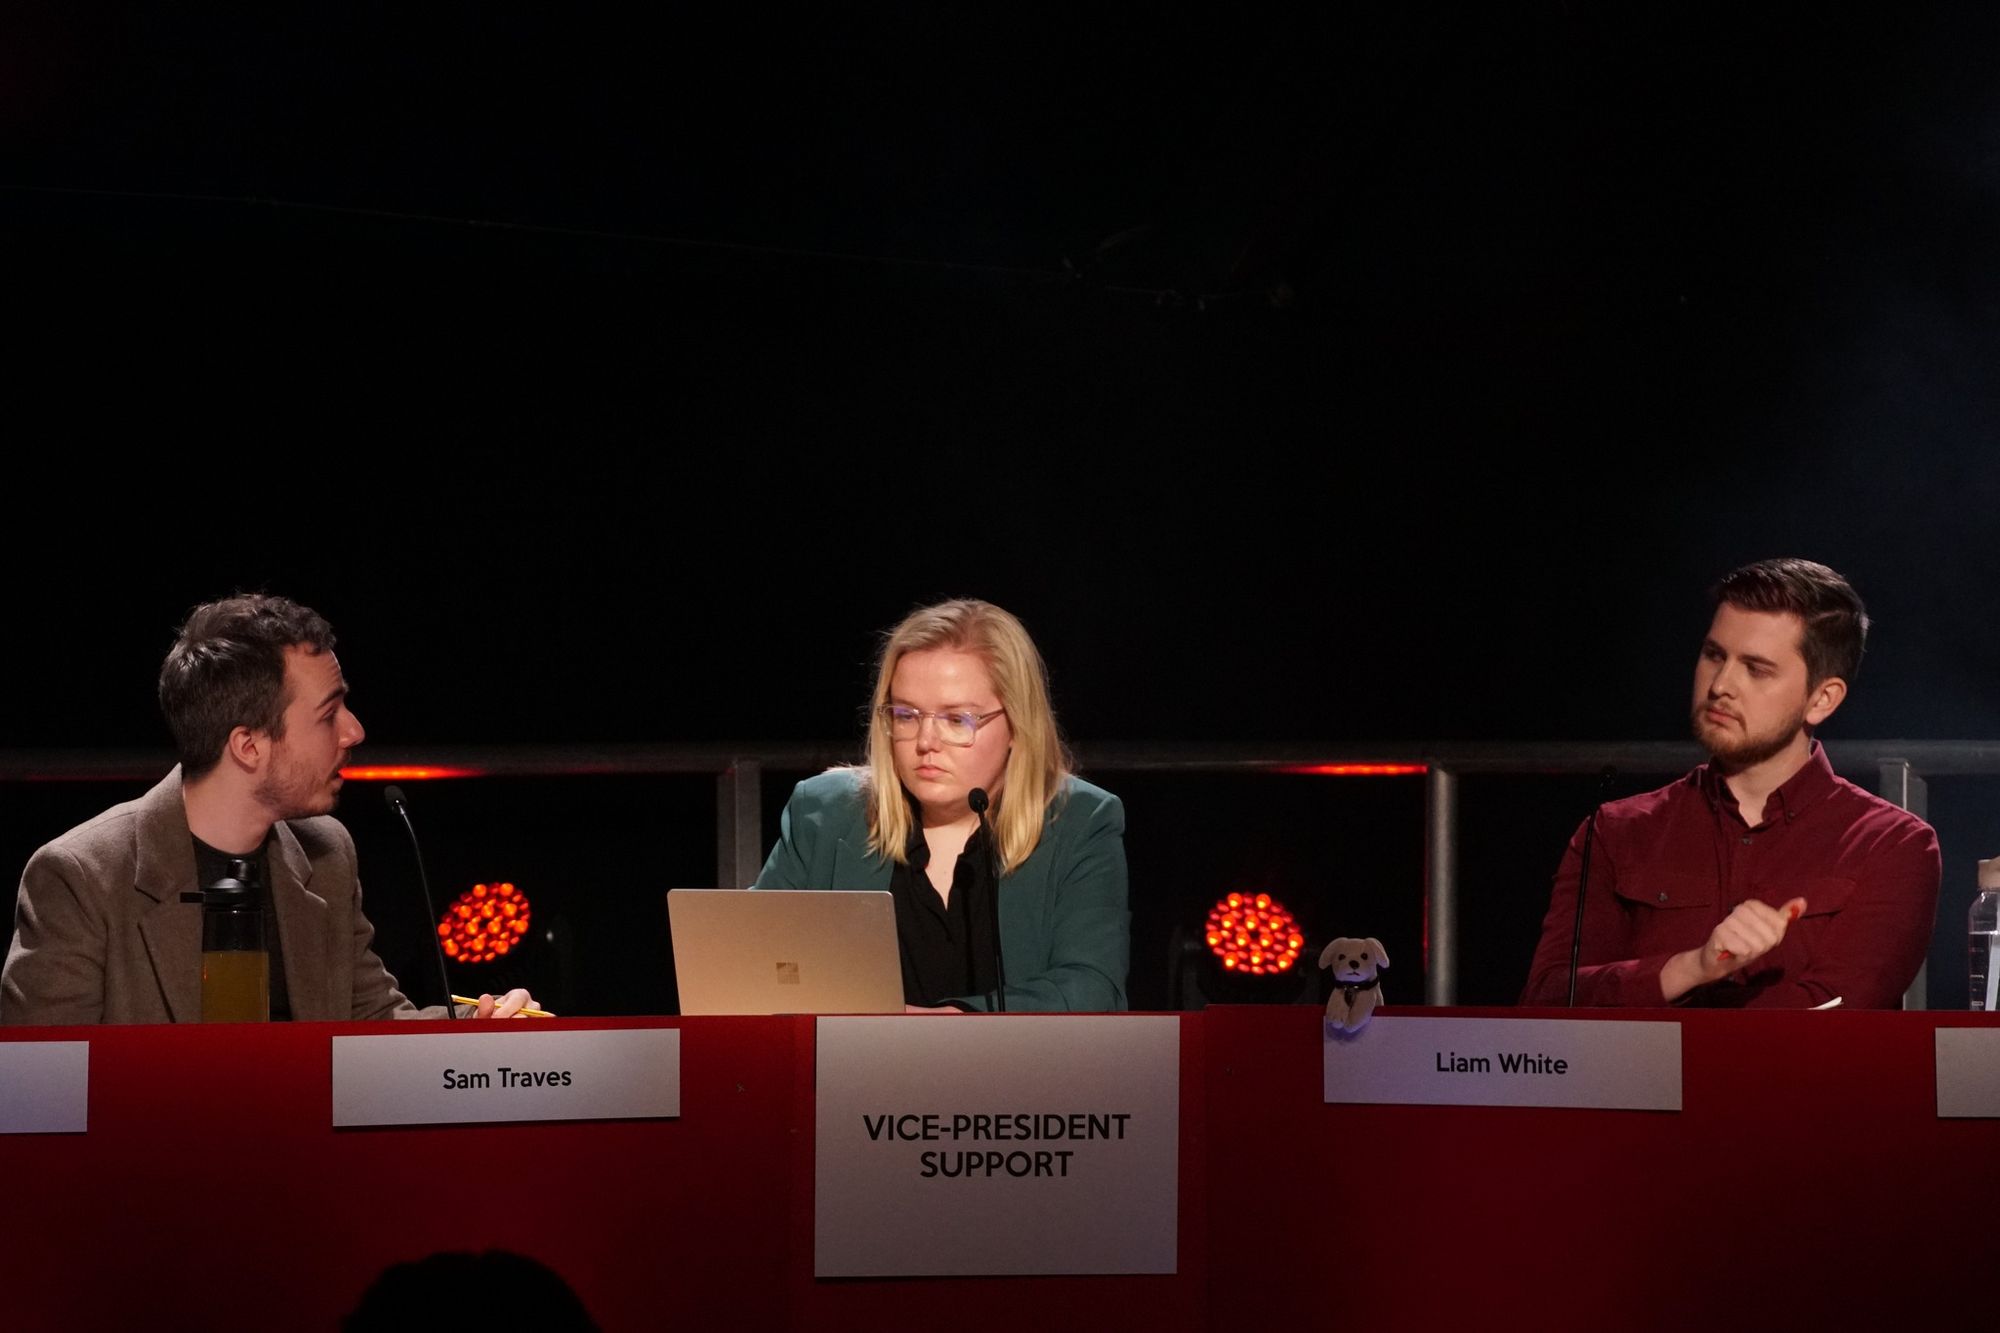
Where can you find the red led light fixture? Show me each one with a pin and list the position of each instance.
(484, 923)
(1253, 933)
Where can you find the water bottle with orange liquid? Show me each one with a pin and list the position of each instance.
(235, 962)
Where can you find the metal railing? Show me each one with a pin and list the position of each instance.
(1896, 770)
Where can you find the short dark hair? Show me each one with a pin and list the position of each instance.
(1836, 624)
(227, 670)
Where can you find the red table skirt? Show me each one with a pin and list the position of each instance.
(1806, 1183)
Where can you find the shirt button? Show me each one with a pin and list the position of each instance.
(1663, 897)
(1746, 840)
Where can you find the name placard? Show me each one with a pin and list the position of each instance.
(1615, 1065)
(44, 1087)
(506, 1073)
(1968, 1072)
(996, 1145)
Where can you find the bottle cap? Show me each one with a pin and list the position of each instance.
(236, 890)
(1989, 874)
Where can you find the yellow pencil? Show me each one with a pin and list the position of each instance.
(524, 1013)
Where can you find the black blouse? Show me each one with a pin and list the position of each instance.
(947, 948)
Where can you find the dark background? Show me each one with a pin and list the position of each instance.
(1371, 376)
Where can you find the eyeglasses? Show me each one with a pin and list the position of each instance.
(953, 728)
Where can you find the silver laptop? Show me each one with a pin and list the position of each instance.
(785, 952)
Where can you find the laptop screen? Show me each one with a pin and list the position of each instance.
(775, 951)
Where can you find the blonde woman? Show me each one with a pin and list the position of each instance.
(961, 704)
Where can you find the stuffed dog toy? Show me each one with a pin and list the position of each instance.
(1356, 988)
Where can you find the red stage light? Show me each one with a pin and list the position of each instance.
(1253, 934)
(407, 773)
(484, 923)
(1357, 770)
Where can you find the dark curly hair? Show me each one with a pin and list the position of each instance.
(227, 670)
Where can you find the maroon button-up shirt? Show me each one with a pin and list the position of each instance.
(1669, 865)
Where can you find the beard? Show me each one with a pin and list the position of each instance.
(296, 793)
(1733, 753)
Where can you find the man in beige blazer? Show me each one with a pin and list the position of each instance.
(258, 707)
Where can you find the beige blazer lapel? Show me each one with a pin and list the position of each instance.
(164, 869)
(302, 931)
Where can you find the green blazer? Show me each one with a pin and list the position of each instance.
(1065, 931)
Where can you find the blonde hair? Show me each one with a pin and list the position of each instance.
(1037, 761)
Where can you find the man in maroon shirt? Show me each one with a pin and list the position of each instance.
(1760, 879)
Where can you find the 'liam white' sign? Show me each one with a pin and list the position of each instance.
(1614, 1065)
(44, 1087)
(1968, 1072)
(989, 1144)
(506, 1072)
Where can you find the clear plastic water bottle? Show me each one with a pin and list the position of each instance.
(1983, 932)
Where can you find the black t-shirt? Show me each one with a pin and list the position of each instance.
(947, 948)
(210, 866)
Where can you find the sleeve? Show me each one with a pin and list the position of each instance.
(375, 993)
(1873, 946)
(787, 865)
(1621, 981)
(55, 967)
(1090, 927)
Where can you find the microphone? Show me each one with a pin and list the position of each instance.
(394, 796)
(1583, 877)
(976, 798)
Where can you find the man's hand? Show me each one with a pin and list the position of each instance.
(1738, 940)
(509, 1005)
(941, 1009)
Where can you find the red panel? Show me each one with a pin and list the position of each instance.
(1808, 1183)
(223, 1131)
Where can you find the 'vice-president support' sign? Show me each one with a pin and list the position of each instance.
(989, 1144)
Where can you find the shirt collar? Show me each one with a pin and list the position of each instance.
(1813, 780)
(917, 850)
(914, 847)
